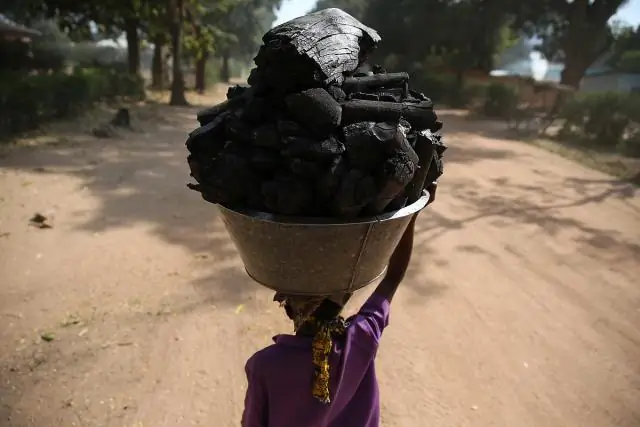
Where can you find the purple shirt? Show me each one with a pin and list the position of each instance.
(280, 378)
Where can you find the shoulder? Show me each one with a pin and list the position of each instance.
(262, 357)
(371, 320)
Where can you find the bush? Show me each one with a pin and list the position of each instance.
(444, 89)
(609, 121)
(27, 101)
(500, 101)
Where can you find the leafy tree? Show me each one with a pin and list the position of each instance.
(206, 20)
(625, 50)
(240, 31)
(414, 32)
(176, 12)
(574, 31)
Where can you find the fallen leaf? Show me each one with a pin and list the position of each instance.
(38, 218)
(40, 221)
(47, 336)
(239, 308)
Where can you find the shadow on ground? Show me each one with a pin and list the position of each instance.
(141, 178)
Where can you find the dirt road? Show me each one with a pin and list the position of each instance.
(521, 309)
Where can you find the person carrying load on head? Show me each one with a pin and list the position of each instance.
(324, 374)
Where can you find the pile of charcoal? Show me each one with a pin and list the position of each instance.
(312, 135)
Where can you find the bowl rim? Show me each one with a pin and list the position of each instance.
(413, 208)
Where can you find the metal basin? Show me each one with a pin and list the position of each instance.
(316, 256)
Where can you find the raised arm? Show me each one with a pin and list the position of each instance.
(398, 264)
(373, 317)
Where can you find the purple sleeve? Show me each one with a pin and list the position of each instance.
(255, 403)
(373, 317)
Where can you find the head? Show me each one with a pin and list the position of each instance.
(320, 318)
(322, 309)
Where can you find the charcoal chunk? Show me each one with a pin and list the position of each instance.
(291, 128)
(266, 136)
(315, 133)
(264, 159)
(237, 91)
(329, 180)
(312, 149)
(337, 93)
(357, 189)
(397, 173)
(365, 95)
(420, 115)
(392, 137)
(208, 140)
(373, 81)
(287, 195)
(425, 148)
(362, 145)
(226, 169)
(317, 109)
(331, 42)
(237, 129)
(207, 115)
(306, 168)
(257, 110)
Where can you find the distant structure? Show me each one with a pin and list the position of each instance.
(523, 60)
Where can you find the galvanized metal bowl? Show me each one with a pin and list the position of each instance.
(316, 256)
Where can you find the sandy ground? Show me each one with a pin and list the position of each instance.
(521, 308)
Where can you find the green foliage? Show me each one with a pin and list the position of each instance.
(607, 121)
(18, 55)
(464, 34)
(624, 55)
(629, 62)
(445, 89)
(27, 101)
(575, 32)
(500, 100)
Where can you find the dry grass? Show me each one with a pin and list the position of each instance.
(626, 168)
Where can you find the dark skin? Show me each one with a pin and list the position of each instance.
(396, 270)
(398, 263)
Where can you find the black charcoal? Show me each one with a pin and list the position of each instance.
(312, 149)
(377, 81)
(315, 133)
(425, 148)
(420, 114)
(329, 42)
(287, 195)
(356, 191)
(363, 147)
(266, 136)
(317, 109)
(337, 93)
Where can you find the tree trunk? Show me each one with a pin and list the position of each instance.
(572, 73)
(201, 68)
(133, 45)
(157, 64)
(225, 71)
(177, 85)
